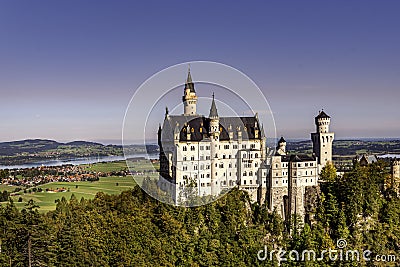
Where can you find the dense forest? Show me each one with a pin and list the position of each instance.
(133, 229)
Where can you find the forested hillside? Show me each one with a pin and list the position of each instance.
(132, 229)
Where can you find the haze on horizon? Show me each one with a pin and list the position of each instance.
(69, 68)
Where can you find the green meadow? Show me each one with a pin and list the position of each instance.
(109, 185)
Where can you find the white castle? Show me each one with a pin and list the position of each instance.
(212, 154)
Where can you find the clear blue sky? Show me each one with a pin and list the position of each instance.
(69, 68)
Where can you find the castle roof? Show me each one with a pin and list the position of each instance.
(297, 158)
(282, 140)
(323, 115)
(200, 127)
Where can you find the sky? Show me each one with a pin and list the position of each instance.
(69, 68)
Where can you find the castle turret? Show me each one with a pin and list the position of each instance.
(214, 135)
(189, 97)
(322, 139)
(281, 148)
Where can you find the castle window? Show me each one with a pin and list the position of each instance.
(256, 155)
(195, 167)
(306, 164)
(244, 181)
(185, 177)
(184, 158)
(202, 167)
(244, 146)
(216, 155)
(250, 181)
(208, 167)
(208, 184)
(306, 180)
(235, 146)
(276, 182)
(256, 165)
(311, 164)
(250, 173)
(306, 172)
(245, 174)
(311, 172)
(201, 147)
(221, 166)
(207, 157)
(207, 147)
(192, 158)
(230, 156)
(184, 148)
(208, 175)
(185, 168)
(216, 164)
(311, 180)
(202, 175)
(201, 157)
(192, 148)
(216, 174)
(244, 156)
(230, 165)
(252, 146)
(223, 156)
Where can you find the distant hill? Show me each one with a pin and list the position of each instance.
(32, 146)
(35, 150)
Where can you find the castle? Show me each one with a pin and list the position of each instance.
(213, 154)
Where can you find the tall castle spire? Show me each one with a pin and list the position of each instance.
(189, 82)
(213, 109)
(189, 97)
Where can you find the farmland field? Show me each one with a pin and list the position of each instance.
(86, 189)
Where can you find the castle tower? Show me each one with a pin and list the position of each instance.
(189, 97)
(281, 148)
(214, 135)
(322, 139)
